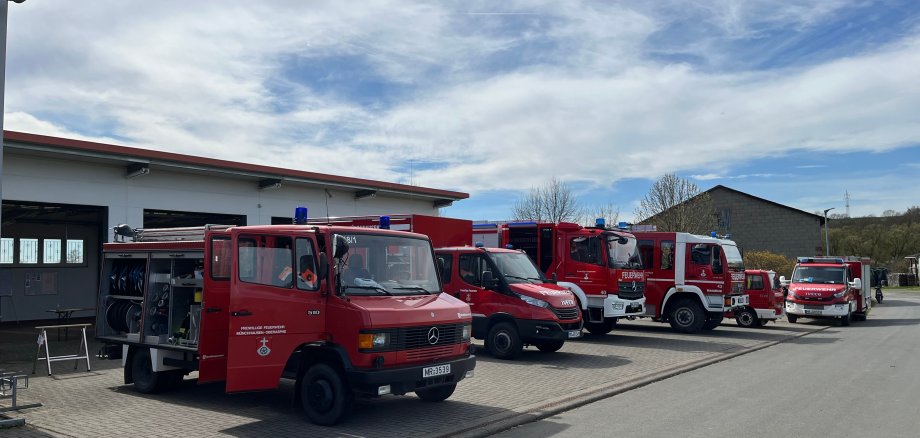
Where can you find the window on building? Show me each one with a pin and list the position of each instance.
(28, 251)
(74, 251)
(724, 219)
(6, 251)
(51, 251)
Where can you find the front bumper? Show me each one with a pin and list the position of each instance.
(726, 303)
(616, 307)
(408, 379)
(817, 310)
(536, 330)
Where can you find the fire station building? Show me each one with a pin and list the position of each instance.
(62, 197)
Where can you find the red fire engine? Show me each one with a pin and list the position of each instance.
(601, 266)
(765, 299)
(512, 302)
(829, 287)
(343, 311)
(691, 280)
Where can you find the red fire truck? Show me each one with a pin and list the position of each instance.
(829, 287)
(343, 311)
(601, 266)
(512, 303)
(443, 231)
(691, 280)
(765, 298)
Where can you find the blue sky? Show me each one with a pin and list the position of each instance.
(797, 102)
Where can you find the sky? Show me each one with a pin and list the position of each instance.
(797, 102)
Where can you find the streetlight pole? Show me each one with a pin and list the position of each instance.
(3, 14)
(827, 238)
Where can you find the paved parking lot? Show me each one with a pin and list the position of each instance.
(502, 394)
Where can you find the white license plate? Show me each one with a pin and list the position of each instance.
(439, 370)
(812, 312)
(574, 334)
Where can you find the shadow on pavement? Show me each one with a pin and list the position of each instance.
(888, 302)
(560, 360)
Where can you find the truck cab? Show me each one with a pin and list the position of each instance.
(765, 299)
(692, 280)
(512, 303)
(344, 312)
(600, 265)
(830, 288)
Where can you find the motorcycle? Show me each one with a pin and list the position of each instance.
(878, 294)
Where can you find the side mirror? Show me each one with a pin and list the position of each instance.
(323, 266)
(554, 279)
(783, 281)
(717, 268)
(488, 281)
(339, 246)
(856, 283)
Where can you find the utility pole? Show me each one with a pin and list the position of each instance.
(827, 238)
(4, 8)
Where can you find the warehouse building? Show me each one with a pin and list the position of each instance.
(62, 197)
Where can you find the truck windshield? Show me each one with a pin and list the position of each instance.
(733, 257)
(623, 255)
(388, 265)
(516, 267)
(819, 275)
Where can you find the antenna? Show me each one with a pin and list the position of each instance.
(328, 195)
(847, 199)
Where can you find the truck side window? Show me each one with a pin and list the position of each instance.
(266, 260)
(755, 282)
(716, 260)
(221, 253)
(667, 254)
(585, 249)
(471, 267)
(647, 252)
(446, 264)
(699, 254)
(306, 265)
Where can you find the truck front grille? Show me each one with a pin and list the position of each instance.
(426, 336)
(631, 290)
(566, 313)
(429, 353)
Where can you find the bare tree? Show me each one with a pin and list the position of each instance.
(553, 202)
(609, 211)
(676, 204)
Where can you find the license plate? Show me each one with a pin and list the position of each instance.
(812, 312)
(574, 334)
(439, 370)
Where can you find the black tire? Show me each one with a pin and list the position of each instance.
(503, 341)
(326, 400)
(845, 320)
(146, 381)
(601, 328)
(549, 346)
(711, 323)
(687, 316)
(436, 394)
(791, 318)
(747, 318)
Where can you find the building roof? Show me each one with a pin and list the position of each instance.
(151, 159)
(718, 187)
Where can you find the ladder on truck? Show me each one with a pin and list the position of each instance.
(168, 234)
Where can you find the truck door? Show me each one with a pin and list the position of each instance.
(469, 272)
(757, 292)
(212, 346)
(586, 264)
(275, 307)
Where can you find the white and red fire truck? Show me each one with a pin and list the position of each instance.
(829, 287)
(513, 304)
(765, 299)
(342, 311)
(691, 280)
(601, 266)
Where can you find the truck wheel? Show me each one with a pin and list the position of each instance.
(325, 398)
(711, 323)
(146, 380)
(504, 342)
(791, 318)
(845, 320)
(600, 328)
(436, 394)
(549, 346)
(687, 316)
(747, 318)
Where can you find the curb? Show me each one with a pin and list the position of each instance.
(7, 423)
(535, 412)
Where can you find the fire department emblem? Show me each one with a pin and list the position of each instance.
(264, 350)
(703, 273)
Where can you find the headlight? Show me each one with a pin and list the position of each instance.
(368, 341)
(840, 294)
(465, 333)
(534, 302)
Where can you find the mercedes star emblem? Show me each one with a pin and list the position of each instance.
(433, 335)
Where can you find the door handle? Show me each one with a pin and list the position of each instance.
(242, 313)
(213, 309)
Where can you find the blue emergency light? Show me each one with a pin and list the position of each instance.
(300, 215)
(713, 234)
(384, 222)
(479, 245)
(623, 225)
(599, 222)
(509, 246)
